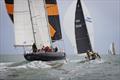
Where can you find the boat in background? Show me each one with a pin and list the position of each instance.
(112, 50)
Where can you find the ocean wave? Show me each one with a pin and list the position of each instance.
(4, 66)
(97, 61)
(23, 65)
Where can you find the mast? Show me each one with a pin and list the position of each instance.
(31, 21)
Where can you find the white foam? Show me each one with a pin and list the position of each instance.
(37, 64)
(33, 65)
(6, 64)
(74, 60)
(97, 61)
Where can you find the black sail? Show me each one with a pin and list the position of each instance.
(81, 34)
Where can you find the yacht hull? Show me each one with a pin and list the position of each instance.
(45, 56)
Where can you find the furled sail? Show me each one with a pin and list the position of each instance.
(10, 8)
(53, 18)
(81, 34)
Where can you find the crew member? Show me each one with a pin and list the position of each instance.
(56, 49)
(34, 47)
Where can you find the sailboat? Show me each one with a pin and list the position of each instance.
(80, 36)
(112, 50)
(36, 21)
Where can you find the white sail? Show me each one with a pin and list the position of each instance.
(68, 24)
(40, 23)
(22, 23)
(30, 23)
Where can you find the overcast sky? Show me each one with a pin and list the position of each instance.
(106, 20)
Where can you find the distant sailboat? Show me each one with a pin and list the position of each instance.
(36, 21)
(112, 50)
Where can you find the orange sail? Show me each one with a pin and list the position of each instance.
(53, 18)
(10, 7)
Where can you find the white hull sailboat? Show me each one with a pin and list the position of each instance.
(36, 21)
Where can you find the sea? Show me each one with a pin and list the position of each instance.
(15, 67)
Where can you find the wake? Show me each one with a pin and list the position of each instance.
(30, 65)
(23, 65)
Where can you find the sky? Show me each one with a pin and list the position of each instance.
(106, 22)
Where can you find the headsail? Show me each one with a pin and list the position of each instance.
(81, 34)
(53, 18)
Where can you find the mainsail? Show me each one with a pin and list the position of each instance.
(34, 21)
(81, 34)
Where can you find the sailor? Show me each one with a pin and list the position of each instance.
(43, 48)
(46, 49)
(94, 55)
(88, 55)
(49, 50)
(34, 47)
(56, 49)
(98, 55)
